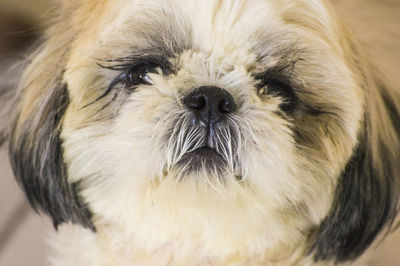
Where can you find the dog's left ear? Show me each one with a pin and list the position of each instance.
(367, 194)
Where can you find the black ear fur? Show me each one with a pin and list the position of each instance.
(366, 198)
(36, 155)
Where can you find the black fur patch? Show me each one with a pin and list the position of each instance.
(366, 201)
(37, 160)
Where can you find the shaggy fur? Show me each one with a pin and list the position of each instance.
(303, 172)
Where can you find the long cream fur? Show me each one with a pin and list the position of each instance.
(282, 170)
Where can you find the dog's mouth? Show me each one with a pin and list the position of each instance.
(204, 157)
(193, 148)
(204, 151)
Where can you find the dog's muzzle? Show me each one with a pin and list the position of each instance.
(210, 108)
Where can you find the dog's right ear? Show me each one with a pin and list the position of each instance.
(36, 150)
(36, 156)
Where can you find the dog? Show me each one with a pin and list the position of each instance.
(206, 132)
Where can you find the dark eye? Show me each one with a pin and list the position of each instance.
(139, 74)
(282, 90)
(131, 77)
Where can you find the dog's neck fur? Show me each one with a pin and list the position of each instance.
(77, 246)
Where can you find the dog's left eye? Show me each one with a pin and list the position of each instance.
(139, 74)
(280, 89)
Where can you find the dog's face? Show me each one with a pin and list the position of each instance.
(232, 127)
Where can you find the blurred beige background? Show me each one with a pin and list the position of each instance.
(23, 233)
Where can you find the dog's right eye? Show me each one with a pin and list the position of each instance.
(132, 76)
(139, 74)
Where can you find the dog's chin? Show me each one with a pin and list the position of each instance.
(205, 160)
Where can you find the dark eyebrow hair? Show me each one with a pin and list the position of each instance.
(135, 58)
(155, 35)
(283, 71)
(155, 41)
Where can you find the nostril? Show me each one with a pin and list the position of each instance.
(224, 106)
(200, 103)
(196, 102)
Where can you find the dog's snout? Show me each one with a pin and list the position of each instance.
(210, 104)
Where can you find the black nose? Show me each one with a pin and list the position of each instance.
(210, 104)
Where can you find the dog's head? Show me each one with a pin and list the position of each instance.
(248, 126)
